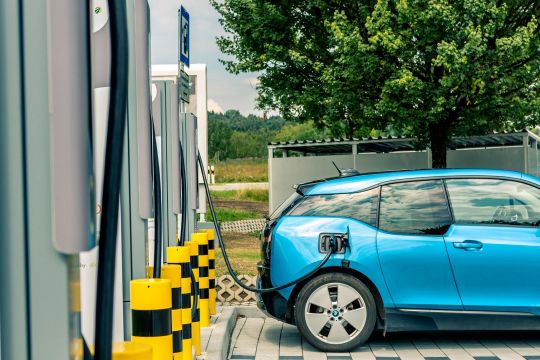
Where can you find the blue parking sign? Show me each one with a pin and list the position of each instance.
(183, 32)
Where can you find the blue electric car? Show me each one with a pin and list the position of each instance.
(450, 249)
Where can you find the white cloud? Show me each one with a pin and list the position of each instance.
(214, 106)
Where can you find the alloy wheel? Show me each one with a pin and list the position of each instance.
(335, 313)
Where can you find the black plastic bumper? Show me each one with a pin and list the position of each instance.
(271, 303)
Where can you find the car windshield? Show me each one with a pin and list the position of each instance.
(285, 206)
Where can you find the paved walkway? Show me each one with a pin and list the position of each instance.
(206, 332)
(240, 186)
(268, 339)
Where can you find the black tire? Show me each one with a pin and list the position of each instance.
(365, 309)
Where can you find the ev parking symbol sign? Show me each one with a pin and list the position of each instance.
(183, 23)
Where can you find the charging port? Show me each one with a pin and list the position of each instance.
(341, 240)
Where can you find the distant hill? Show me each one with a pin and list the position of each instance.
(234, 136)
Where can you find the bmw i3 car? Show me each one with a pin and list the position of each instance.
(420, 250)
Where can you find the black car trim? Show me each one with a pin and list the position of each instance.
(468, 312)
(437, 320)
(448, 202)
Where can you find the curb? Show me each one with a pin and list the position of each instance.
(218, 347)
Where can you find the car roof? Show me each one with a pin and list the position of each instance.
(361, 182)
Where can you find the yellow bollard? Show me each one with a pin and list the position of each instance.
(202, 239)
(76, 344)
(131, 351)
(180, 255)
(151, 315)
(172, 272)
(211, 270)
(196, 325)
(127, 350)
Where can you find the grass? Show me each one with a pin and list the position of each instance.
(242, 170)
(243, 251)
(245, 195)
(227, 214)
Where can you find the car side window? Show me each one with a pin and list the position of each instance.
(361, 206)
(494, 201)
(415, 207)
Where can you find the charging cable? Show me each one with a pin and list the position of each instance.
(158, 218)
(181, 238)
(116, 125)
(332, 246)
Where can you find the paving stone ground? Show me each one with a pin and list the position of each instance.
(269, 339)
(206, 332)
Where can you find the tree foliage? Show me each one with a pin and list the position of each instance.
(428, 69)
(303, 131)
(234, 136)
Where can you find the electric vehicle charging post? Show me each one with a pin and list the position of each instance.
(136, 191)
(136, 206)
(34, 275)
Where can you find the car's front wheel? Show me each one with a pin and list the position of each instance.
(335, 312)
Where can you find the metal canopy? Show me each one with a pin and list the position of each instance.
(394, 144)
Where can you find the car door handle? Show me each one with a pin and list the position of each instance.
(469, 245)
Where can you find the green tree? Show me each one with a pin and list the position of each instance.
(303, 131)
(219, 139)
(232, 135)
(428, 69)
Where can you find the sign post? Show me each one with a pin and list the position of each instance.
(183, 55)
(184, 36)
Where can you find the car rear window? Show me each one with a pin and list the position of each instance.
(287, 204)
(361, 206)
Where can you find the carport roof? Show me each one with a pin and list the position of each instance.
(396, 143)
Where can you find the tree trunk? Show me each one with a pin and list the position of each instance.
(350, 128)
(439, 140)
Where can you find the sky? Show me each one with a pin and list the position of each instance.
(225, 90)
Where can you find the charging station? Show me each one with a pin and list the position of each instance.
(104, 168)
(60, 77)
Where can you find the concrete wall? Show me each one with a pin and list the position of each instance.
(506, 158)
(284, 173)
(533, 156)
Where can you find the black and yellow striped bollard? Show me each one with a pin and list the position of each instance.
(212, 270)
(151, 315)
(172, 272)
(180, 255)
(195, 325)
(202, 239)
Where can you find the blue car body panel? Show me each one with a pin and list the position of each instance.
(404, 261)
(504, 275)
(295, 250)
(418, 272)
